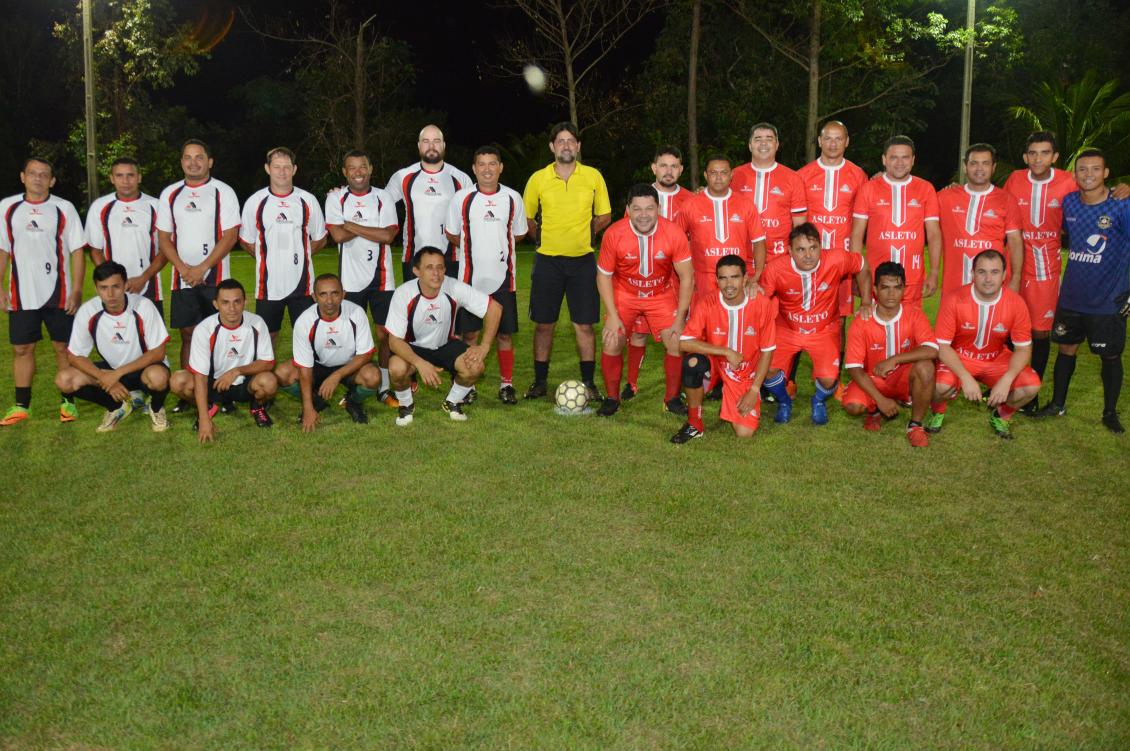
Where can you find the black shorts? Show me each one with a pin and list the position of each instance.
(322, 372)
(26, 326)
(1105, 333)
(271, 311)
(131, 381)
(467, 322)
(191, 305)
(239, 393)
(573, 278)
(445, 356)
(376, 300)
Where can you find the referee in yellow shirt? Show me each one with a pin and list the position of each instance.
(567, 204)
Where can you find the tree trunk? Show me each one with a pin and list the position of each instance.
(692, 92)
(359, 89)
(813, 84)
(567, 55)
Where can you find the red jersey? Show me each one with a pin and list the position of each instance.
(896, 214)
(874, 340)
(778, 194)
(748, 328)
(980, 330)
(972, 222)
(642, 265)
(718, 227)
(809, 300)
(1041, 216)
(830, 194)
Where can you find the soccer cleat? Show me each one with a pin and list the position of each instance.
(356, 412)
(158, 418)
(1051, 409)
(472, 396)
(819, 412)
(15, 414)
(1000, 425)
(628, 392)
(686, 434)
(536, 390)
(873, 421)
(592, 392)
(182, 405)
(675, 406)
(262, 419)
(1112, 423)
(388, 399)
(404, 414)
(454, 411)
(139, 402)
(784, 412)
(715, 394)
(934, 422)
(227, 408)
(114, 416)
(507, 395)
(68, 411)
(1031, 408)
(608, 408)
(212, 410)
(917, 437)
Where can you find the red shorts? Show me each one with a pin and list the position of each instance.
(912, 294)
(987, 372)
(1041, 298)
(657, 313)
(732, 391)
(823, 348)
(895, 386)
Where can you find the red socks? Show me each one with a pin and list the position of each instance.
(612, 366)
(939, 408)
(694, 417)
(1006, 412)
(635, 361)
(506, 366)
(673, 376)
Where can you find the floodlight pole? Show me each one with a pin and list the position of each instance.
(967, 87)
(88, 75)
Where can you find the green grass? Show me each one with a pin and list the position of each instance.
(525, 580)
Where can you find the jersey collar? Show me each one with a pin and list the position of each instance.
(770, 168)
(979, 301)
(729, 192)
(820, 161)
(984, 192)
(1045, 181)
(187, 184)
(889, 181)
(815, 268)
(882, 322)
(739, 306)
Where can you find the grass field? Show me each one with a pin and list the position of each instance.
(525, 580)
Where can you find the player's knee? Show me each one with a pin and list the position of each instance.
(505, 341)
(744, 431)
(286, 373)
(826, 383)
(943, 391)
(369, 377)
(398, 368)
(65, 380)
(855, 409)
(469, 371)
(923, 371)
(24, 350)
(264, 385)
(181, 384)
(155, 377)
(695, 368)
(639, 340)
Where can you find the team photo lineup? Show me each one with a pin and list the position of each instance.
(736, 282)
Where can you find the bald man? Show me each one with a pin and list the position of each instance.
(425, 188)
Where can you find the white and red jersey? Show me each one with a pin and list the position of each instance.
(871, 341)
(281, 228)
(120, 339)
(197, 217)
(896, 214)
(429, 322)
(486, 224)
(1040, 203)
(331, 342)
(981, 330)
(125, 230)
(809, 300)
(363, 264)
(748, 328)
(642, 265)
(40, 236)
(216, 349)
(972, 222)
(779, 195)
(718, 227)
(830, 196)
(425, 195)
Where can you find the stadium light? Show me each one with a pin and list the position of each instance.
(967, 88)
(88, 75)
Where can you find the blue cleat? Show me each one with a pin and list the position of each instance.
(784, 412)
(819, 412)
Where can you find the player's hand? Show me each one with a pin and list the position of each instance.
(476, 354)
(752, 288)
(73, 301)
(119, 392)
(612, 338)
(135, 284)
(310, 418)
(886, 367)
(970, 389)
(999, 393)
(107, 379)
(224, 382)
(326, 390)
(866, 310)
(888, 407)
(194, 275)
(930, 286)
(749, 402)
(734, 358)
(1120, 191)
(206, 432)
(428, 374)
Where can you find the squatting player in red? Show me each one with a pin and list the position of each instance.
(806, 284)
(974, 327)
(891, 358)
(639, 258)
(735, 334)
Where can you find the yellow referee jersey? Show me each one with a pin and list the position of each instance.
(566, 208)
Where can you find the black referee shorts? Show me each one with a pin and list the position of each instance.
(569, 277)
(1105, 333)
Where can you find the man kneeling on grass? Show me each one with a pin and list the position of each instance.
(230, 360)
(129, 334)
(890, 357)
(421, 329)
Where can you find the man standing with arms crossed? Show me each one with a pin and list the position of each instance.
(42, 238)
(566, 204)
(197, 226)
(774, 188)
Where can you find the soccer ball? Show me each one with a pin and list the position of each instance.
(572, 397)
